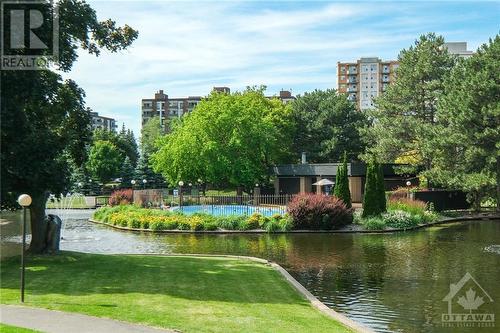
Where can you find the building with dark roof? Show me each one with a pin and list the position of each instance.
(299, 178)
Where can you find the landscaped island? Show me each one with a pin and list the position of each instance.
(304, 212)
(190, 294)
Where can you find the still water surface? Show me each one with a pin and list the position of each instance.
(389, 282)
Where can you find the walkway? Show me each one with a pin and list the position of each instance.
(63, 322)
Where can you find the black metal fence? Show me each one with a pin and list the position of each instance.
(229, 204)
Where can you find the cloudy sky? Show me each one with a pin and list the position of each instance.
(186, 48)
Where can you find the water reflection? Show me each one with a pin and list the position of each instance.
(391, 282)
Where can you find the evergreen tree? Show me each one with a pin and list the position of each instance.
(342, 184)
(144, 171)
(466, 148)
(327, 125)
(374, 198)
(406, 114)
(127, 173)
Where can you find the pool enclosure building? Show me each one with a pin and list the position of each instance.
(299, 178)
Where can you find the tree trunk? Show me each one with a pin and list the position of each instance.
(38, 224)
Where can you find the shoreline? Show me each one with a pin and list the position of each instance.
(349, 231)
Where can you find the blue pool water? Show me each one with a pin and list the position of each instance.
(225, 210)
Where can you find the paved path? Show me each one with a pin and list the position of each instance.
(63, 322)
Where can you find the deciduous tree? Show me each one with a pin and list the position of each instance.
(105, 161)
(44, 119)
(327, 125)
(229, 139)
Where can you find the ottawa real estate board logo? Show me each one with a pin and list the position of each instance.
(29, 33)
(468, 305)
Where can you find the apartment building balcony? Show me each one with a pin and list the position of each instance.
(351, 89)
(386, 79)
(386, 70)
(352, 71)
(352, 79)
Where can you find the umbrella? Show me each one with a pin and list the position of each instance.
(324, 182)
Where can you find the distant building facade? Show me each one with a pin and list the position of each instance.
(459, 48)
(168, 108)
(284, 96)
(365, 79)
(101, 122)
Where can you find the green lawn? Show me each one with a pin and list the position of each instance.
(77, 202)
(186, 293)
(13, 329)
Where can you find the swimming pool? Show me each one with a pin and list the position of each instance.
(225, 210)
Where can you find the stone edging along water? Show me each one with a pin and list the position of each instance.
(315, 302)
(260, 231)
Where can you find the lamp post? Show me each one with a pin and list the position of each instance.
(144, 181)
(408, 184)
(132, 182)
(181, 184)
(24, 200)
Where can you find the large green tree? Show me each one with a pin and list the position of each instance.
(327, 125)
(466, 148)
(229, 139)
(105, 161)
(150, 132)
(124, 141)
(44, 119)
(405, 115)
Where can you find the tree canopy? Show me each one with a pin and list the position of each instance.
(150, 132)
(405, 114)
(327, 126)
(104, 161)
(466, 147)
(44, 120)
(229, 139)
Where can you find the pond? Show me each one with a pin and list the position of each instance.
(389, 282)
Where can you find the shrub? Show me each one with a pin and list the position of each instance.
(273, 226)
(286, 223)
(121, 197)
(399, 193)
(316, 211)
(400, 219)
(135, 223)
(414, 207)
(255, 221)
(374, 223)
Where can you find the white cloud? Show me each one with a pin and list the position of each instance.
(186, 48)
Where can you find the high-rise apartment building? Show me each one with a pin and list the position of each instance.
(167, 108)
(365, 79)
(101, 122)
(459, 48)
